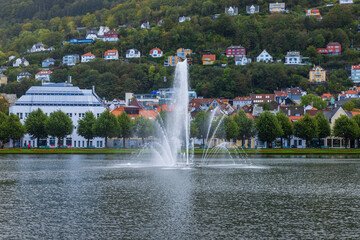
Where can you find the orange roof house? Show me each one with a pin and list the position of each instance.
(209, 59)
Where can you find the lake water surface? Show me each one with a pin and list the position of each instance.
(112, 197)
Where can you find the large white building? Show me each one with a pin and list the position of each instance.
(264, 57)
(73, 101)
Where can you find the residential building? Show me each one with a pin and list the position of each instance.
(156, 52)
(280, 96)
(183, 53)
(235, 51)
(264, 57)
(209, 59)
(242, 60)
(133, 53)
(49, 62)
(23, 75)
(232, 11)
(102, 31)
(71, 59)
(346, 1)
(277, 7)
(88, 57)
(355, 73)
(252, 9)
(333, 48)
(327, 97)
(352, 93)
(111, 55)
(43, 76)
(313, 13)
(92, 36)
(81, 41)
(239, 102)
(262, 98)
(293, 58)
(20, 62)
(145, 25)
(11, 57)
(111, 36)
(3, 79)
(39, 47)
(73, 101)
(183, 19)
(172, 61)
(317, 75)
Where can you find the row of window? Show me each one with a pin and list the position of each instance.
(81, 115)
(54, 94)
(58, 104)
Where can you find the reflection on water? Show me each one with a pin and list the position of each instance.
(104, 197)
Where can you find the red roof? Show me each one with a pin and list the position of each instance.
(88, 54)
(280, 94)
(199, 101)
(44, 73)
(295, 118)
(327, 95)
(111, 52)
(334, 44)
(158, 50)
(242, 99)
(209, 57)
(356, 66)
(109, 33)
(351, 92)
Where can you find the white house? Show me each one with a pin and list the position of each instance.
(346, 1)
(88, 57)
(242, 60)
(133, 53)
(73, 101)
(39, 47)
(183, 19)
(242, 101)
(111, 55)
(23, 75)
(145, 25)
(102, 31)
(11, 57)
(20, 61)
(43, 76)
(293, 58)
(71, 59)
(252, 9)
(156, 52)
(264, 57)
(232, 11)
(92, 36)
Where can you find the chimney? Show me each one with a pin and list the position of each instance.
(70, 79)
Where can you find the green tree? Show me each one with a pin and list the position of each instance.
(246, 126)
(314, 101)
(107, 126)
(349, 106)
(346, 128)
(286, 126)
(324, 129)
(3, 134)
(268, 127)
(356, 118)
(12, 128)
(126, 126)
(231, 128)
(59, 125)
(143, 128)
(4, 105)
(306, 128)
(202, 121)
(35, 125)
(86, 127)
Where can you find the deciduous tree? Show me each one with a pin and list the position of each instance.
(59, 125)
(35, 125)
(268, 127)
(86, 127)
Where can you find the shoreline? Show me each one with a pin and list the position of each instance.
(276, 151)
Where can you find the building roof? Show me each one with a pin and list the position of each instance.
(24, 74)
(327, 95)
(233, 46)
(111, 52)
(49, 60)
(158, 49)
(111, 32)
(351, 92)
(293, 53)
(315, 67)
(135, 50)
(44, 73)
(334, 44)
(242, 99)
(280, 93)
(211, 57)
(89, 54)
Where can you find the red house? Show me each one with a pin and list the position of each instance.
(333, 48)
(233, 51)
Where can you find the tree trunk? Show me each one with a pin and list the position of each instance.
(106, 140)
(88, 142)
(282, 145)
(123, 142)
(38, 142)
(320, 142)
(143, 141)
(345, 143)
(242, 141)
(204, 142)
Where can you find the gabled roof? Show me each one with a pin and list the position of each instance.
(158, 49)
(111, 52)
(242, 99)
(233, 46)
(111, 32)
(44, 73)
(280, 93)
(315, 67)
(89, 54)
(135, 103)
(351, 92)
(327, 95)
(334, 44)
(135, 50)
(211, 57)
(49, 60)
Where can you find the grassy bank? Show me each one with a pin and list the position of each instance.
(197, 151)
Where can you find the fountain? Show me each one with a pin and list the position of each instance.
(173, 146)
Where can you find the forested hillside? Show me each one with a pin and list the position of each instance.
(25, 23)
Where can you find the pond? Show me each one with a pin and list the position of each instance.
(115, 197)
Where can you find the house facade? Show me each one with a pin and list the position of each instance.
(293, 58)
(242, 60)
(92, 36)
(43, 76)
(262, 98)
(346, 1)
(133, 53)
(241, 101)
(38, 47)
(172, 61)
(235, 51)
(88, 57)
(277, 7)
(252, 9)
(73, 101)
(23, 75)
(102, 30)
(48, 63)
(111, 55)
(20, 62)
(3, 79)
(313, 13)
(264, 57)
(156, 52)
(333, 48)
(317, 75)
(145, 25)
(111, 36)
(209, 59)
(232, 11)
(71, 59)
(183, 53)
(355, 73)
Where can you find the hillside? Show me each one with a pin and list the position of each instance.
(52, 22)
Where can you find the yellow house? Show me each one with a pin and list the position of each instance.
(209, 59)
(182, 52)
(3, 79)
(277, 7)
(317, 75)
